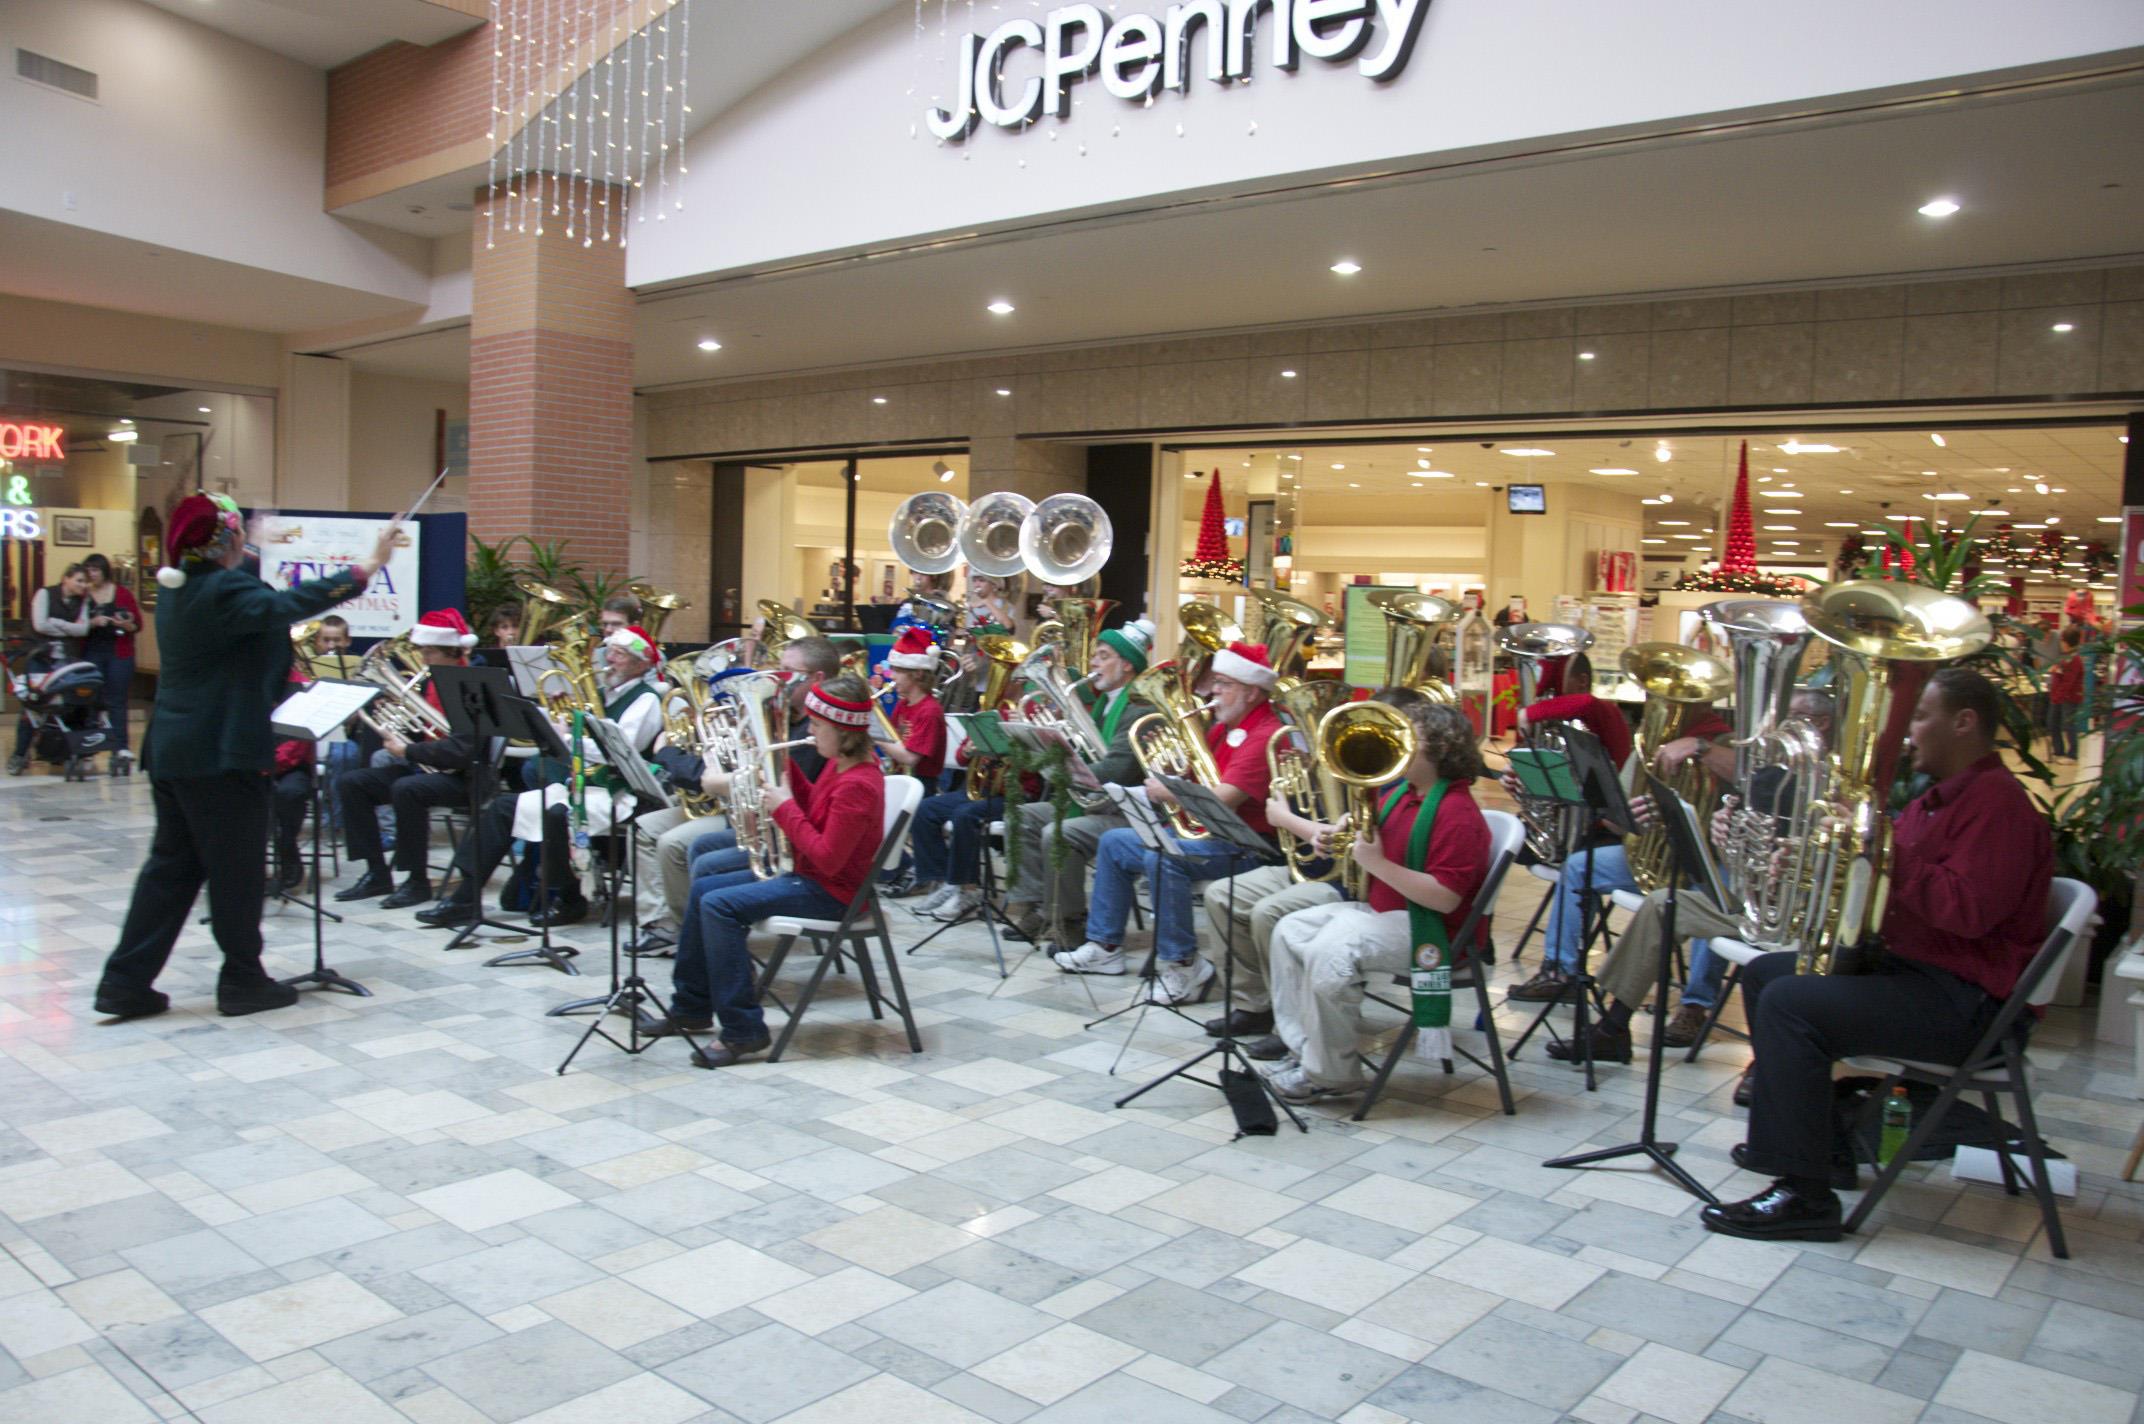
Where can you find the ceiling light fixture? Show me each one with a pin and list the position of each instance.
(1674, 524)
(2040, 487)
(878, 400)
(1436, 475)
(708, 343)
(2063, 327)
(1528, 452)
(1004, 390)
(1000, 307)
(1841, 524)
(1782, 511)
(1611, 470)
(1938, 440)
(1663, 452)
(2110, 519)
(204, 410)
(123, 436)
(1795, 447)
(942, 470)
(1347, 267)
(1287, 375)
(1339, 467)
(1938, 207)
(1652, 541)
(1585, 355)
(1782, 528)
(1946, 495)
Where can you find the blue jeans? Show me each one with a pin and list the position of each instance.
(948, 837)
(118, 682)
(715, 853)
(1706, 970)
(1566, 918)
(714, 973)
(1120, 860)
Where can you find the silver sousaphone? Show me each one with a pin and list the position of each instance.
(925, 531)
(990, 534)
(1065, 539)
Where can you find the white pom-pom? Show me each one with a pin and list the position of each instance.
(468, 641)
(170, 577)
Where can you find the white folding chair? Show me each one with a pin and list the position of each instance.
(859, 925)
(1738, 954)
(1996, 1066)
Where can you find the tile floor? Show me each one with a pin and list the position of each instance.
(392, 1209)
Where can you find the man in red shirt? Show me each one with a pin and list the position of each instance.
(1423, 876)
(1243, 721)
(1971, 864)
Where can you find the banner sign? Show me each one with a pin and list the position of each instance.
(295, 548)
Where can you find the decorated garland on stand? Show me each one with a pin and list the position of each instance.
(1719, 580)
(1738, 571)
(1212, 560)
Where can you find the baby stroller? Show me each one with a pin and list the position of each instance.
(65, 709)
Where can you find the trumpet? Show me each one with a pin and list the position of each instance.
(1299, 776)
(1362, 745)
(397, 668)
(1171, 741)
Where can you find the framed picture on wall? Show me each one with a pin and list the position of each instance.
(74, 531)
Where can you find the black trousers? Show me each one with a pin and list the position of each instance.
(211, 829)
(291, 789)
(1800, 1024)
(413, 792)
(482, 851)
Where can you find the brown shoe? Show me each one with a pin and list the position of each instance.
(1543, 988)
(1683, 1029)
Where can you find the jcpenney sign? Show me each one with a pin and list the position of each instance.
(1137, 56)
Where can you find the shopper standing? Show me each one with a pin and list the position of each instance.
(116, 618)
(2065, 696)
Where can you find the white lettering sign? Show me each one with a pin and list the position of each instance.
(295, 548)
(1137, 56)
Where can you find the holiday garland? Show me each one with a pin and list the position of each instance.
(1212, 560)
(1719, 580)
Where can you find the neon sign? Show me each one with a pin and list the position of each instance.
(32, 440)
(21, 524)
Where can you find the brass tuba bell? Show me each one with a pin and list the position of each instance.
(1290, 627)
(546, 605)
(656, 606)
(1364, 746)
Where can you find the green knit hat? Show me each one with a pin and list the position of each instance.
(1132, 642)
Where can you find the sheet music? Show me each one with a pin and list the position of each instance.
(530, 664)
(317, 710)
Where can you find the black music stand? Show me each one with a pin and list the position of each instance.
(1599, 793)
(1153, 833)
(481, 704)
(1685, 857)
(311, 715)
(991, 736)
(1224, 824)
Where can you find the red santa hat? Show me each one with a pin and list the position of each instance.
(635, 640)
(1245, 663)
(194, 525)
(914, 650)
(443, 628)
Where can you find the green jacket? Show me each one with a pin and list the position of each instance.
(223, 638)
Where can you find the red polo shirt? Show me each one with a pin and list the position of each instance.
(1458, 850)
(1240, 753)
(1970, 876)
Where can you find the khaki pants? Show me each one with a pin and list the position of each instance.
(1631, 970)
(1264, 896)
(1066, 890)
(664, 844)
(1322, 960)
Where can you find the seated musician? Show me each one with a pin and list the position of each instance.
(834, 820)
(1031, 903)
(1970, 872)
(505, 630)
(1631, 969)
(619, 611)
(423, 774)
(916, 715)
(1707, 736)
(1243, 721)
(1424, 866)
(633, 700)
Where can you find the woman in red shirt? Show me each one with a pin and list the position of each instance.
(834, 825)
(2065, 697)
(116, 618)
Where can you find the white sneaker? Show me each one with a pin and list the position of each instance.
(1180, 982)
(1090, 958)
(1293, 1084)
(962, 901)
(936, 901)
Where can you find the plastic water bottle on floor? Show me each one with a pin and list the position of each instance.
(1897, 1124)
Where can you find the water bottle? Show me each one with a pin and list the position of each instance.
(1897, 1124)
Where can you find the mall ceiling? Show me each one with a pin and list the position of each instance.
(326, 33)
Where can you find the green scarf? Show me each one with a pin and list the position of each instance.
(1431, 972)
(1114, 713)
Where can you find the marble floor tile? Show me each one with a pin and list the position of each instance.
(766, 1373)
(311, 1312)
(2016, 1393)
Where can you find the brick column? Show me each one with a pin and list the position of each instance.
(551, 391)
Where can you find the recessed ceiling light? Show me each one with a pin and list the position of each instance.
(1652, 501)
(123, 436)
(1436, 475)
(1528, 452)
(1352, 485)
(1339, 467)
(1295, 457)
(878, 400)
(1939, 441)
(1423, 463)
(1287, 375)
(1991, 510)
(1795, 447)
(1000, 307)
(2057, 489)
(1841, 524)
(1004, 390)
(2054, 519)
(1347, 267)
(1663, 452)
(2063, 326)
(1782, 528)
(1695, 538)
(1611, 470)
(1652, 541)
(1946, 495)
(204, 410)
(2014, 489)
(1779, 469)
(1423, 450)
(1845, 491)
(1481, 484)
(2107, 518)
(708, 343)
(2040, 487)
(1674, 524)
(1939, 208)
(1585, 355)
(126, 420)
(1782, 511)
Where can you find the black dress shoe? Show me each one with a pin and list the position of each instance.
(1545, 987)
(1844, 1175)
(1269, 1049)
(414, 891)
(449, 914)
(289, 870)
(1746, 1086)
(1241, 1023)
(253, 996)
(370, 884)
(722, 1053)
(131, 1003)
(1778, 1213)
(560, 914)
(1607, 1048)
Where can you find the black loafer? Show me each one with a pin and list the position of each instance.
(372, 883)
(1746, 1086)
(1241, 1023)
(565, 912)
(722, 1053)
(1844, 1176)
(448, 915)
(1546, 987)
(253, 997)
(415, 891)
(1778, 1213)
(132, 1004)
(1607, 1048)
(1269, 1049)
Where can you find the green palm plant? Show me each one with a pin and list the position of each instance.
(490, 578)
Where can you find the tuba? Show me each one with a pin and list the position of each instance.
(656, 606)
(1053, 701)
(1418, 635)
(305, 647)
(544, 606)
(1171, 741)
(1363, 746)
(1299, 776)
(1290, 626)
(989, 534)
(1207, 630)
(1763, 641)
(1002, 655)
(1080, 624)
(1552, 828)
(1887, 639)
(571, 685)
(1679, 683)
(1065, 540)
(396, 667)
(688, 712)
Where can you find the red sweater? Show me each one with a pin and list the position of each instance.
(2065, 684)
(1604, 719)
(835, 824)
(1970, 878)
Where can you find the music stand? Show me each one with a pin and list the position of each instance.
(481, 704)
(311, 715)
(628, 991)
(1223, 824)
(1685, 854)
(990, 735)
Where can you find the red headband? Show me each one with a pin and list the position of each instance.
(836, 710)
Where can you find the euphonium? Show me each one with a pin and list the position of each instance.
(1299, 776)
(1171, 740)
(1290, 626)
(1887, 639)
(761, 762)
(781, 624)
(1552, 828)
(305, 646)
(1679, 684)
(686, 711)
(1364, 746)
(544, 605)
(395, 665)
(1418, 628)
(656, 606)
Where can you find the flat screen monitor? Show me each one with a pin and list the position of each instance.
(1526, 499)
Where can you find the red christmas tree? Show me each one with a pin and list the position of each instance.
(1741, 548)
(1212, 560)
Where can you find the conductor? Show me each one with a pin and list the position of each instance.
(225, 643)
